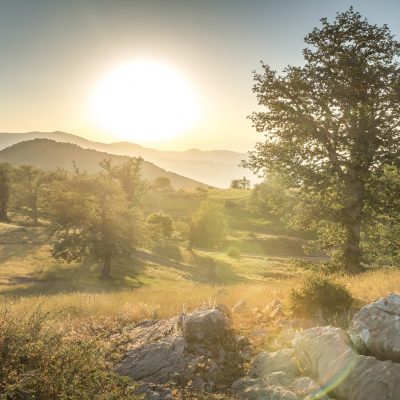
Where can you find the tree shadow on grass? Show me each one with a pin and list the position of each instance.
(82, 277)
(213, 271)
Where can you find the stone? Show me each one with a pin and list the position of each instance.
(206, 326)
(326, 355)
(156, 362)
(151, 391)
(375, 329)
(258, 389)
(278, 361)
(197, 350)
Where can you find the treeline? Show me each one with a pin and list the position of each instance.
(100, 216)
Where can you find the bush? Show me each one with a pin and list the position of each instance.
(209, 224)
(320, 294)
(38, 363)
(234, 253)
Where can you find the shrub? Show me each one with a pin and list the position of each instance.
(209, 224)
(320, 294)
(38, 363)
(234, 253)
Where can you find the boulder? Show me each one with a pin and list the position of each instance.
(278, 361)
(375, 329)
(259, 389)
(209, 326)
(156, 362)
(326, 355)
(199, 350)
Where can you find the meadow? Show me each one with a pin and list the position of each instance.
(167, 279)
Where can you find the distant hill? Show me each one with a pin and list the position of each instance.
(215, 167)
(49, 155)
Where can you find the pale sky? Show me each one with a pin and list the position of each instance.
(54, 54)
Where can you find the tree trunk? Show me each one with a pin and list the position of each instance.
(353, 218)
(105, 274)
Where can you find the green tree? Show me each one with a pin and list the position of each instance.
(162, 182)
(128, 176)
(162, 223)
(243, 183)
(92, 217)
(29, 191)
(208, 225)
(5, 183)
(332, 125)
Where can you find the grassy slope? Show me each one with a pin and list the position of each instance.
(150, 288)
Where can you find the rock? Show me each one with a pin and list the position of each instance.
(209, 326)
(258, 389)
(375, 329)
(278, 361)
(240, 307)
(305, 386)
(242, 342)
(156, 362)
(199, 349)
(224, 309)
(325, 354)
(154, 392)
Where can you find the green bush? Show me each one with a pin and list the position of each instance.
(234, 253)
(320, 294)
(38, 363)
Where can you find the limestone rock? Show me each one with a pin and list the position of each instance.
(325, 354)
(278, 361)
(375, 329)
(206, 326)
(155, 362)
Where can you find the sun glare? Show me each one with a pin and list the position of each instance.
(145, 100)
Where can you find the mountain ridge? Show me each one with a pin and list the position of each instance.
(215, 167)
(64, 155)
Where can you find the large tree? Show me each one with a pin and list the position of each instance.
(92, 217)
(332, 124)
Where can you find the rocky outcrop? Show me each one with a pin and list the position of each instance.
(375, 329)
(199, 349)
(325, 354)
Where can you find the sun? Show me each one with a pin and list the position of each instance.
(145, 100)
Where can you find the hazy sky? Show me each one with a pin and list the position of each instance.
(54, 53)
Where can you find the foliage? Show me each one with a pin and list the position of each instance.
(128, 176)
(91, 216)
(162, 224)
(242, 183)
(29, 190)
(331, 125)
(208, 224)
(37, 363)
(4, 190)
(234, 253)
(320, 294)
(162, 182)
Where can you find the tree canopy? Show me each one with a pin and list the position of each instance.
(331, 126)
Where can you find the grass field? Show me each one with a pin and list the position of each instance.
(170, 279)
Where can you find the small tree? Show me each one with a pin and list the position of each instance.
(208, 224)
(243, 183)
(162, 223)
(4, 190)
(332, 124)
(162, 182)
